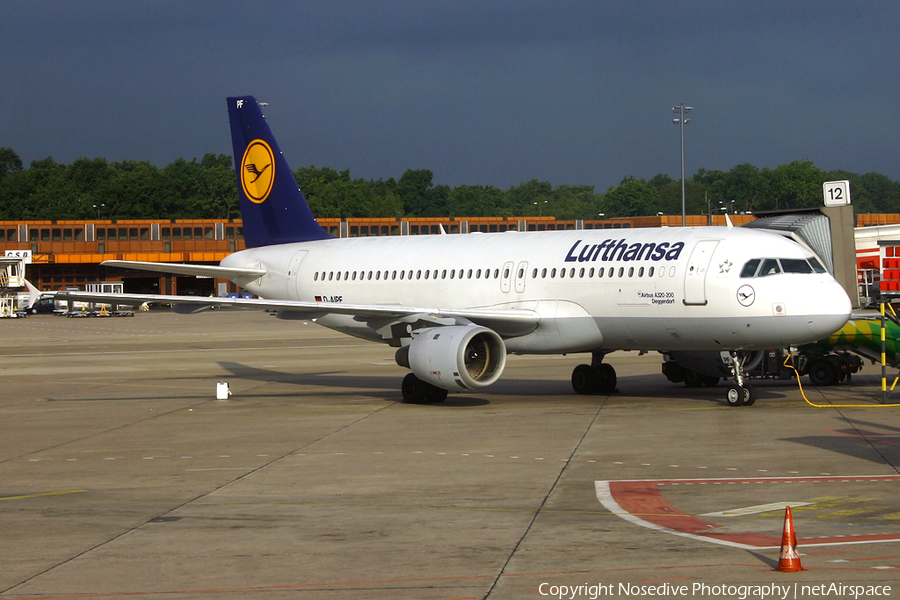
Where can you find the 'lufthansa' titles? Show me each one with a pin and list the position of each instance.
(610, 250)
(257, 171)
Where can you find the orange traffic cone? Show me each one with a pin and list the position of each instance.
(789, 561)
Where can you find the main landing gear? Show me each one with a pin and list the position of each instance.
(595, 378)
(416, 391)
(740, 393)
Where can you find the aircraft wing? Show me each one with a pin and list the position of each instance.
(506, 322)
(186, 269)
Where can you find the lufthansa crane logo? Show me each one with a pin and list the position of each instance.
(746, 295)
(258, 171)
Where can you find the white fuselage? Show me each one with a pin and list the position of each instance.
(640, 289)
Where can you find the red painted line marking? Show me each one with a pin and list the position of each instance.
(642, 503)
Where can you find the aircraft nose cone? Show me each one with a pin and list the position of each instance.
(831, 311)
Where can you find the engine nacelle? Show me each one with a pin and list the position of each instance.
(456, 358)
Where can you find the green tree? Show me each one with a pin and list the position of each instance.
(794, 185)
(9, 162)
(575, 202)
(631, 198)
(50, 194)
(474, 200)
(413, 189)
(531, 198)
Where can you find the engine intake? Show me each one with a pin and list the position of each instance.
(456, 358)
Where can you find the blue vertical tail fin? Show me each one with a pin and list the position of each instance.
(273, 209)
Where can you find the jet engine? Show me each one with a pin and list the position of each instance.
(456, 358)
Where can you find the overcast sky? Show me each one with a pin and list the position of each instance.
(480, 92)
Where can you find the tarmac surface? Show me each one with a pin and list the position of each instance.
(122, 475)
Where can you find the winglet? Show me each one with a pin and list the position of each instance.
(274, 210)
(728, 221)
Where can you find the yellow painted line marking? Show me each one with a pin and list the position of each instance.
(44, 494)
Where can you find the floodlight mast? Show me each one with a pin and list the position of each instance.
(682, 110)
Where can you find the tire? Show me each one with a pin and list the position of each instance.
(413, 389)
(735, 395)
(606, 376)
(749, 396)
(434, 394)
(822, 372)
(584, 380)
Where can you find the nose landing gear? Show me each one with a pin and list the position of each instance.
(740, 393)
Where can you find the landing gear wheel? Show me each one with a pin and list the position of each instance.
(413, 390)
(740, 395)
(435, 394)
(416, 391)
(585, 380)
(606, 376)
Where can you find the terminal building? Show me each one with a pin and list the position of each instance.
(61, 254)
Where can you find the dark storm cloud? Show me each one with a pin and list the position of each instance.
(479, 92)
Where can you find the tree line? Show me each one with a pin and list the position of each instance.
(207, 189)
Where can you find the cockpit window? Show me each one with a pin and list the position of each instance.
(795, 265)
(770, 266)
(816, 265)
(749, 269)
(774, 266)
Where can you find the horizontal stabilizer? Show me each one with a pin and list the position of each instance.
(184, 269)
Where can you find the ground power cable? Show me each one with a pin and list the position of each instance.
(789, 363)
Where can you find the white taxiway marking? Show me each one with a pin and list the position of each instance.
(754, 510)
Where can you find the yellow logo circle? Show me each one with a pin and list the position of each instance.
(258, 171)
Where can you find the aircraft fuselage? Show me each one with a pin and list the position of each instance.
(628, 289)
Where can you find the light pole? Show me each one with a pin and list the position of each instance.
(98, 207)
(682, 110)
(541, 207)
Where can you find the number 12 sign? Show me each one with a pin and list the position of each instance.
(837, 193)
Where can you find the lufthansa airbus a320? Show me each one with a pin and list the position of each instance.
(454, 306)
